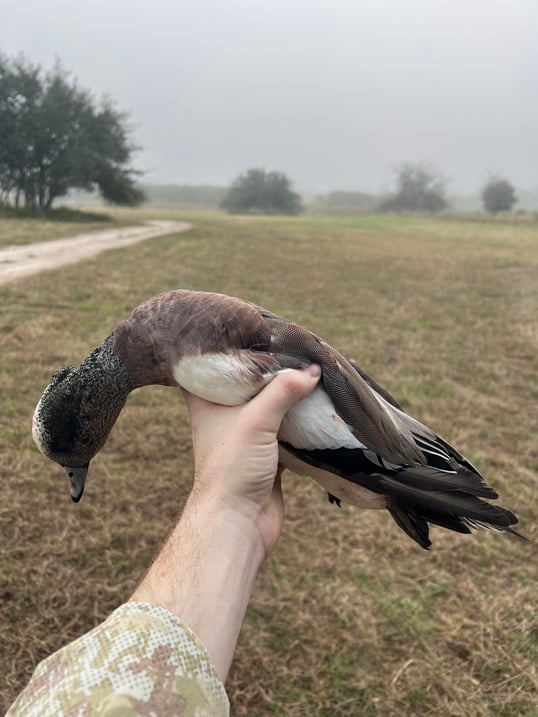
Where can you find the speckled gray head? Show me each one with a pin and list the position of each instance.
(64, 420)
(56, 428)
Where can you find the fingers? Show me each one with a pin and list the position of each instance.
(288, 388)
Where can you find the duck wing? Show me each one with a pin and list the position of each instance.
(356, 403)
(422, 477)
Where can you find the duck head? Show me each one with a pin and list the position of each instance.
(72, 421)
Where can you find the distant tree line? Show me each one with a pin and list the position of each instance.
(419, 188)
(54, 136)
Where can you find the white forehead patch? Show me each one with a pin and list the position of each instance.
(37, 429)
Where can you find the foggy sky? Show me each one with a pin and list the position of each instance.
(333, 92)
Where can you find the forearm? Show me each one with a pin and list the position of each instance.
(232, 519)
(205, 574)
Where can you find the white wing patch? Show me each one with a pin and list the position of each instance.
(314, 423)
(227, 379)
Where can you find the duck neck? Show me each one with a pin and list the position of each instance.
(145, 360)
(105, 366)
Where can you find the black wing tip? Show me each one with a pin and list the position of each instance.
(517, 534)
(503, 526)
(435, 478)
(414, 520)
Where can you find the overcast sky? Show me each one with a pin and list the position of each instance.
(333, 92)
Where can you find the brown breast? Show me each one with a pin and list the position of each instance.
(169, 326)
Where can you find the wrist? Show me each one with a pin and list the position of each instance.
(205, 574)
(231, 522)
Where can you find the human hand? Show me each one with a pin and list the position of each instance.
(236, 453)
(232, 520)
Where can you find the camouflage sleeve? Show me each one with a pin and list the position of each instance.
(141, 661)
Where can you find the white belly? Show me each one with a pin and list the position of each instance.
(310, 424)
(344, 489)
(220, 378)
(314, 423)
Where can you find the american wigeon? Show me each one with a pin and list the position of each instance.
(349, 435)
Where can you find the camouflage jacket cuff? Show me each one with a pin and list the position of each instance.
(141, 661)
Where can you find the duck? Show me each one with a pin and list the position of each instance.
(350, 435)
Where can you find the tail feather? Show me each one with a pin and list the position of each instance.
(458, 479)
(419, 494)
(499, 528)
(455, 502)
(415, 526)
(455, 511)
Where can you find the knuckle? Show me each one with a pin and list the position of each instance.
(290, 381)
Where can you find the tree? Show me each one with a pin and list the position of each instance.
(54, 136)
(19, 92)
(498, 195)
(262, 191)
(419, 189)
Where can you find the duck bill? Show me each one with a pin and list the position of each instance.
(77, 481)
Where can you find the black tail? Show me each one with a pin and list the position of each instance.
(454, 510)
(420, 494)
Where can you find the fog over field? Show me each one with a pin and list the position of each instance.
(333, 92)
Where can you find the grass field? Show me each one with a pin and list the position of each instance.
(24, 227)
(349, 616)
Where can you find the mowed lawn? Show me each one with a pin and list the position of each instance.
(349, 616)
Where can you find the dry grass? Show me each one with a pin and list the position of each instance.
(349, 616)
(24, 227)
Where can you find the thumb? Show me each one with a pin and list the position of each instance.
(288, 388)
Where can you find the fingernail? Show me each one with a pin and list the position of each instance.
(313, 370)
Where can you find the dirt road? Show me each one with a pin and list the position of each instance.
(19, 261)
